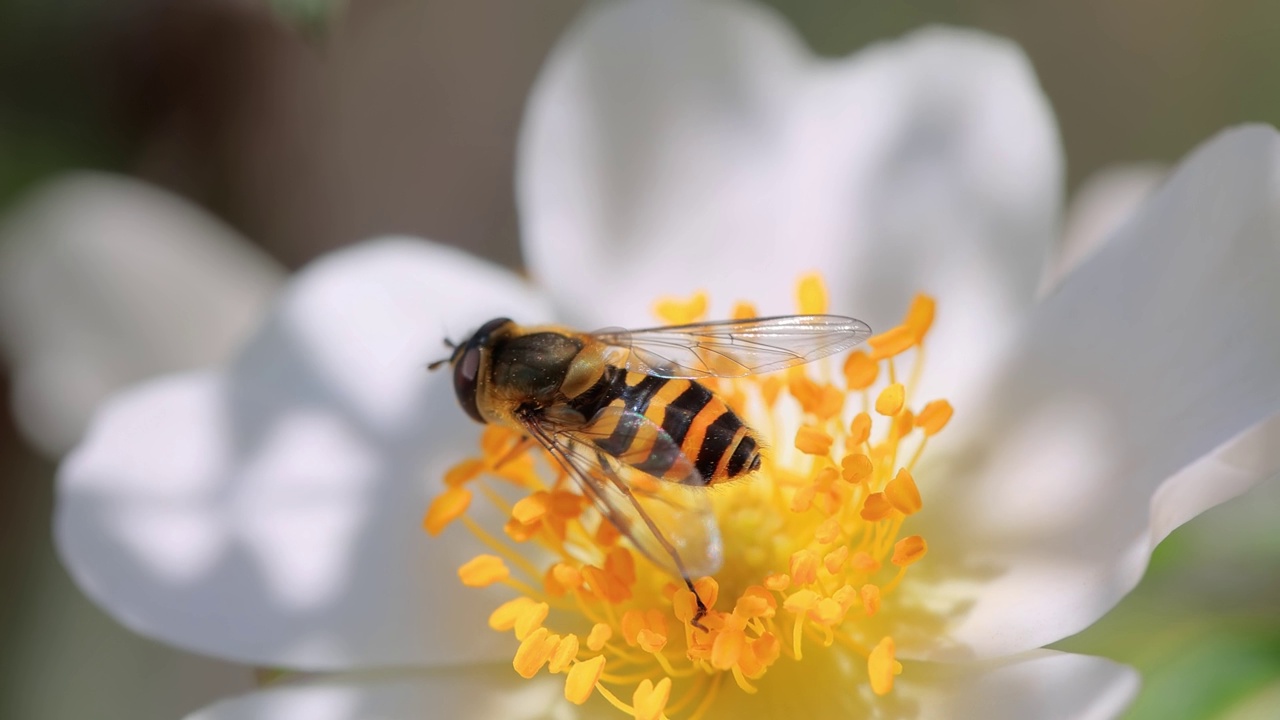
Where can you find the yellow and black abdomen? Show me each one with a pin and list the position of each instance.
(713, 437)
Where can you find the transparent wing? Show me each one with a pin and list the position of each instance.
(671, 524)
(735, 348)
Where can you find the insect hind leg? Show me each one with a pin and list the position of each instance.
(622, 487)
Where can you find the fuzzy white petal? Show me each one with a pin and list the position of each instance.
(1104, 201)
(676, 146)
(469, 693)
(105, 281)
(1041, 684)
(272, 513)
(1162, 349)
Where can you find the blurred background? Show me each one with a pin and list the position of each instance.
(303, 125)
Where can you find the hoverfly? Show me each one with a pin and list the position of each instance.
(623, 413)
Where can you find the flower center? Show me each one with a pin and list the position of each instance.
(813, 541)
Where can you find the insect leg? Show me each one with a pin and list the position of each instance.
(666, 545)
(516, 451)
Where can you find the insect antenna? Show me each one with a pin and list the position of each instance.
(453, 347)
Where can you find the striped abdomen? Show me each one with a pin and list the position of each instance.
(712, 437)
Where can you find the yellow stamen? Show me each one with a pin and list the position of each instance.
(505, 617)
(483, 570)
(582, 679)
(674, 311)
(881, 667)
(650, 700)
(534, 652)
(903, 494)
(744, 311)
(564, 654)
(812, 295)
(934, 417)
(909, 550)
(447, 507)
(870, 595)
(860, 371)
(890, 401)
(813, 441)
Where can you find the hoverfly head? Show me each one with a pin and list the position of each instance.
(466, 361)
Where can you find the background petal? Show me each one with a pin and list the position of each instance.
(272, 513)
(1102, 203)
(674, 146)
(1160, 350)
(1040, 684)
(478, 693)
(105, 281)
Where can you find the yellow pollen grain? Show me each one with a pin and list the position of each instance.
(829, 531)
(505, 616)
(651, 641)
(864, 563)
(891, 342)
(812, 295)
(870, 596)
(829, 611)
(800, 601)
(463, 472)
(875, 508)
(530, 619)
(753, 604)
(582, 679)
(447, 507)
(835, 559)
(856, 467)
(777, 582)
(632, 623)
(860, 371)
(483, 570)
(813, 441)
(532, 508)
(859, 429)
(599, 635)
(650, 700)
(903, 494)
(534, 652)
(743, 310)
(564, 654)
(727, 648)
(682, 312)
(881, 666)
(890, 400)
(804, 566)
(920, 316)
(909, 550)
(934, 417)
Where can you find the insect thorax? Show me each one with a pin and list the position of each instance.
(533, 366)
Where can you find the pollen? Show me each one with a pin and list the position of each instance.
(675, 311)
(816, 560)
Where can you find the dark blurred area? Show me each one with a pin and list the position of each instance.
(307, 125)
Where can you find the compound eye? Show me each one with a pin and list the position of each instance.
(464, 382)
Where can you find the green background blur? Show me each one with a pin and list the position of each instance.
(171, 93)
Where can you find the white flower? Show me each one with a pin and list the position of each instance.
(269, 512)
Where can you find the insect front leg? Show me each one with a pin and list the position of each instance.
(524, 445)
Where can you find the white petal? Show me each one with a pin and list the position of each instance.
(272, 513)
(676, 146)
(1042, 684)
(478, 693)
(1104, 201)
(1162, 349)
(105, 281)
